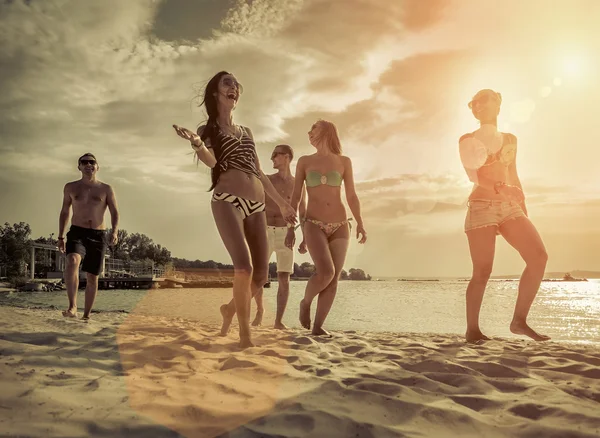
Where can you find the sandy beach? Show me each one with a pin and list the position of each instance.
(133, 375)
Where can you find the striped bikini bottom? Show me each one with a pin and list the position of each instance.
(243, 205)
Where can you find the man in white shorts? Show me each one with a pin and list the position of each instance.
(283, 181)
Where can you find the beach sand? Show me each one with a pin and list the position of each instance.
(134, 375)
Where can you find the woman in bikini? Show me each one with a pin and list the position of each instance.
(497, 206)
(238, 200)
(326, 227)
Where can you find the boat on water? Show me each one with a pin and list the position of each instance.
(567, 277)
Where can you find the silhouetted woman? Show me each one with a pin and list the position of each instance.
(497, 206)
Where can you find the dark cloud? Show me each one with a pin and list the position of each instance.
(189, 20)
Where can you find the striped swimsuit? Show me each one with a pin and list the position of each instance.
(238, 153)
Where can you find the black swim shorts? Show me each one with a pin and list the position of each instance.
(90, 244)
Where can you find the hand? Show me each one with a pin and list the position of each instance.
(290, 238)
(288, 213)
(113, 239)
(513, 193)
(188, 135)
(360, 229)
(61, 245)
(302, 248)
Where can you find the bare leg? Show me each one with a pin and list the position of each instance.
(318, 247)
(91, 289)
(482, 244)
(283, 293)
(228, 310)
(522, 235)
(338, 248)
(255, 229)
(260, 308)
(230, 225)
(256, 246)
(72, 283)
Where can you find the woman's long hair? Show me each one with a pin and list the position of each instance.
(211, 131)
(328, 134)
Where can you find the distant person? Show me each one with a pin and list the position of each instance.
(497, 206)
(238, 200)
(283, 181)
(86, 239)
(326, 226)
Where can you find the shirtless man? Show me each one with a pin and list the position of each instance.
(283, 181)
(86, 239)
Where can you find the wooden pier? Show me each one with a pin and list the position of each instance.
(148, 282)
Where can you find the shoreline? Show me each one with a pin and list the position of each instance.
(140, 375)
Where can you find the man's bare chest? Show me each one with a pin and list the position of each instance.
(88, 196)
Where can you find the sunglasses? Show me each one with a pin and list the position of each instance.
(85, 162)
(485, 98)
(228, 82)
(274, 154)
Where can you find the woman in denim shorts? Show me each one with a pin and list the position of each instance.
(497, 207)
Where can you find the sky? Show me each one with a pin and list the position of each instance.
(112, 77)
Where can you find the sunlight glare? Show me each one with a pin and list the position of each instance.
(473, 153)
(545, 91)
(521, 111)
(573, 66)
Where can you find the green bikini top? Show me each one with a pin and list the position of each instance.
(332, 178)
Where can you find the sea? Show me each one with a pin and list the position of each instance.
(566, 311)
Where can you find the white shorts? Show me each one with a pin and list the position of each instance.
(285, 256)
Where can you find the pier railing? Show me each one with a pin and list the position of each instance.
(116, 268)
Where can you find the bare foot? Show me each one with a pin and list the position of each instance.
(319, 332)
(85, 318)
(280, 326)
(70, 313)
(258, 318)
(304, 315)
(227, 318)
(245, 342)
(475, 336)
(521, 328)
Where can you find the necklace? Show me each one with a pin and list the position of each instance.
(232, 131)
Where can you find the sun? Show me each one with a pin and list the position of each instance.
(573, 65)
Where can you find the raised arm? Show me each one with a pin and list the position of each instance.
(63, 218)
(202, 149)
(352, 199)
(111, 201)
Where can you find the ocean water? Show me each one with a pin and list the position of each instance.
(567, 311)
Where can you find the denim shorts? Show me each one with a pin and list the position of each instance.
(486, 213)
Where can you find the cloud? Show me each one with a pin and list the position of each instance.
(188, 21)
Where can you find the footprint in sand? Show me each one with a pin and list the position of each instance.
(323, 372)
(232, 362)
(93, 385)
(304, 340)
(352, 349)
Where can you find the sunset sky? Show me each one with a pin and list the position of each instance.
(112, 76)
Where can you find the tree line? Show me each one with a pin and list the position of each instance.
(303, 270)
(15, 247)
